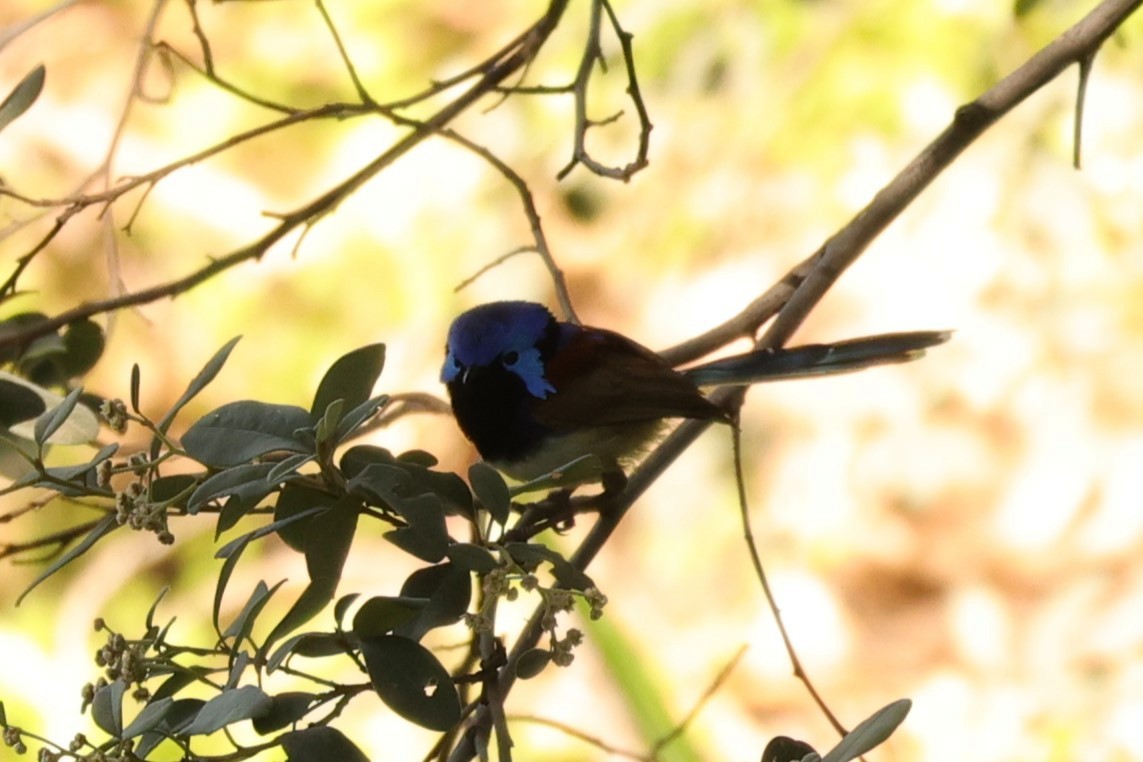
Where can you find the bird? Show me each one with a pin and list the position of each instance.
(533, 393)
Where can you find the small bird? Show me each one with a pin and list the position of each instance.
(533, 393)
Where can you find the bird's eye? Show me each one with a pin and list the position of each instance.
(510, 358)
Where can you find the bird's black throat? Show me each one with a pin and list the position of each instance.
(491, 404)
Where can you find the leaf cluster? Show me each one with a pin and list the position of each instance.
(296, 474)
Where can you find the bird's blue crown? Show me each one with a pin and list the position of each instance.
(508, 333)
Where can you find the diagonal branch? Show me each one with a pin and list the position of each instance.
(799, 291)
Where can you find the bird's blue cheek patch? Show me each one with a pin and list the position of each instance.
(530, 368)
(450, 369)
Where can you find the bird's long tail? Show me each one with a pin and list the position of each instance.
(816, 359)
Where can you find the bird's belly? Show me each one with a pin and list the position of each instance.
(615, 446)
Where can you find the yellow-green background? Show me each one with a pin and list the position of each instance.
(965, 531)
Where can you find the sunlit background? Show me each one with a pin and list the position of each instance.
(966, 531)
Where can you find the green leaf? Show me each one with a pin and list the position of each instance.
(285, 709)
(532, 662)
(179, 680)
(785, 749)
(169, 487)
(3, 716)
(248, 480)
(18, 403)
(107, 708)
(325, 432)
(341, 608)
(50, 422)
(287, 466)
(243, 624)
(383, 614)
(295, 499)
(311, 645)
(871, 732)
(425, 535)
(350, 379)
(320, 744)
(103, 527)
(531, 554)
(150, 718)
(584, 469)
(359, 415)
(448, 589)
(411, 681)
(136, 382)
(232, 551)
(22, 96)
(150, 620)
(227, 708)
(471, 558)
(204, 377)
(83, 346)
(327, 547)
(491, 491)
(238, 432)
(178, 715)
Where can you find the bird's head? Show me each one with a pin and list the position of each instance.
(501, 337)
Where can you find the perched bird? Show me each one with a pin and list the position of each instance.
(533, 393)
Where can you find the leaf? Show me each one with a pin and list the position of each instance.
(411, 681)
(383, 614)
(491, 490)
(83, 346)
(471, 558)
(179, 680)
(80, 427)
(18, 403)
(150, 718)
(341, 608)
(243, 624)
(320, 744)
(359, 415)
(350, 379)
(103, 527)
(531, 554)
(327, 547)
(107, 708)
(136, 382)
(248, 480)
(448, 589)
(785, 749)
(285, 709)
(50, 422)
(169, 487)
(532, 662)
(425, 535)
(227, 708)
(309, 644)
(871, 732)
(22, 96)
(287, 466)
(450, 488)
(150, 621)
(238, 432)
(232, 551)
(586, 468)
(179, 714)
(204, 377)
(295, 499)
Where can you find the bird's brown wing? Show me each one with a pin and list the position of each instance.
(603, 378)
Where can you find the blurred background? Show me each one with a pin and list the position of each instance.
(965, 531)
